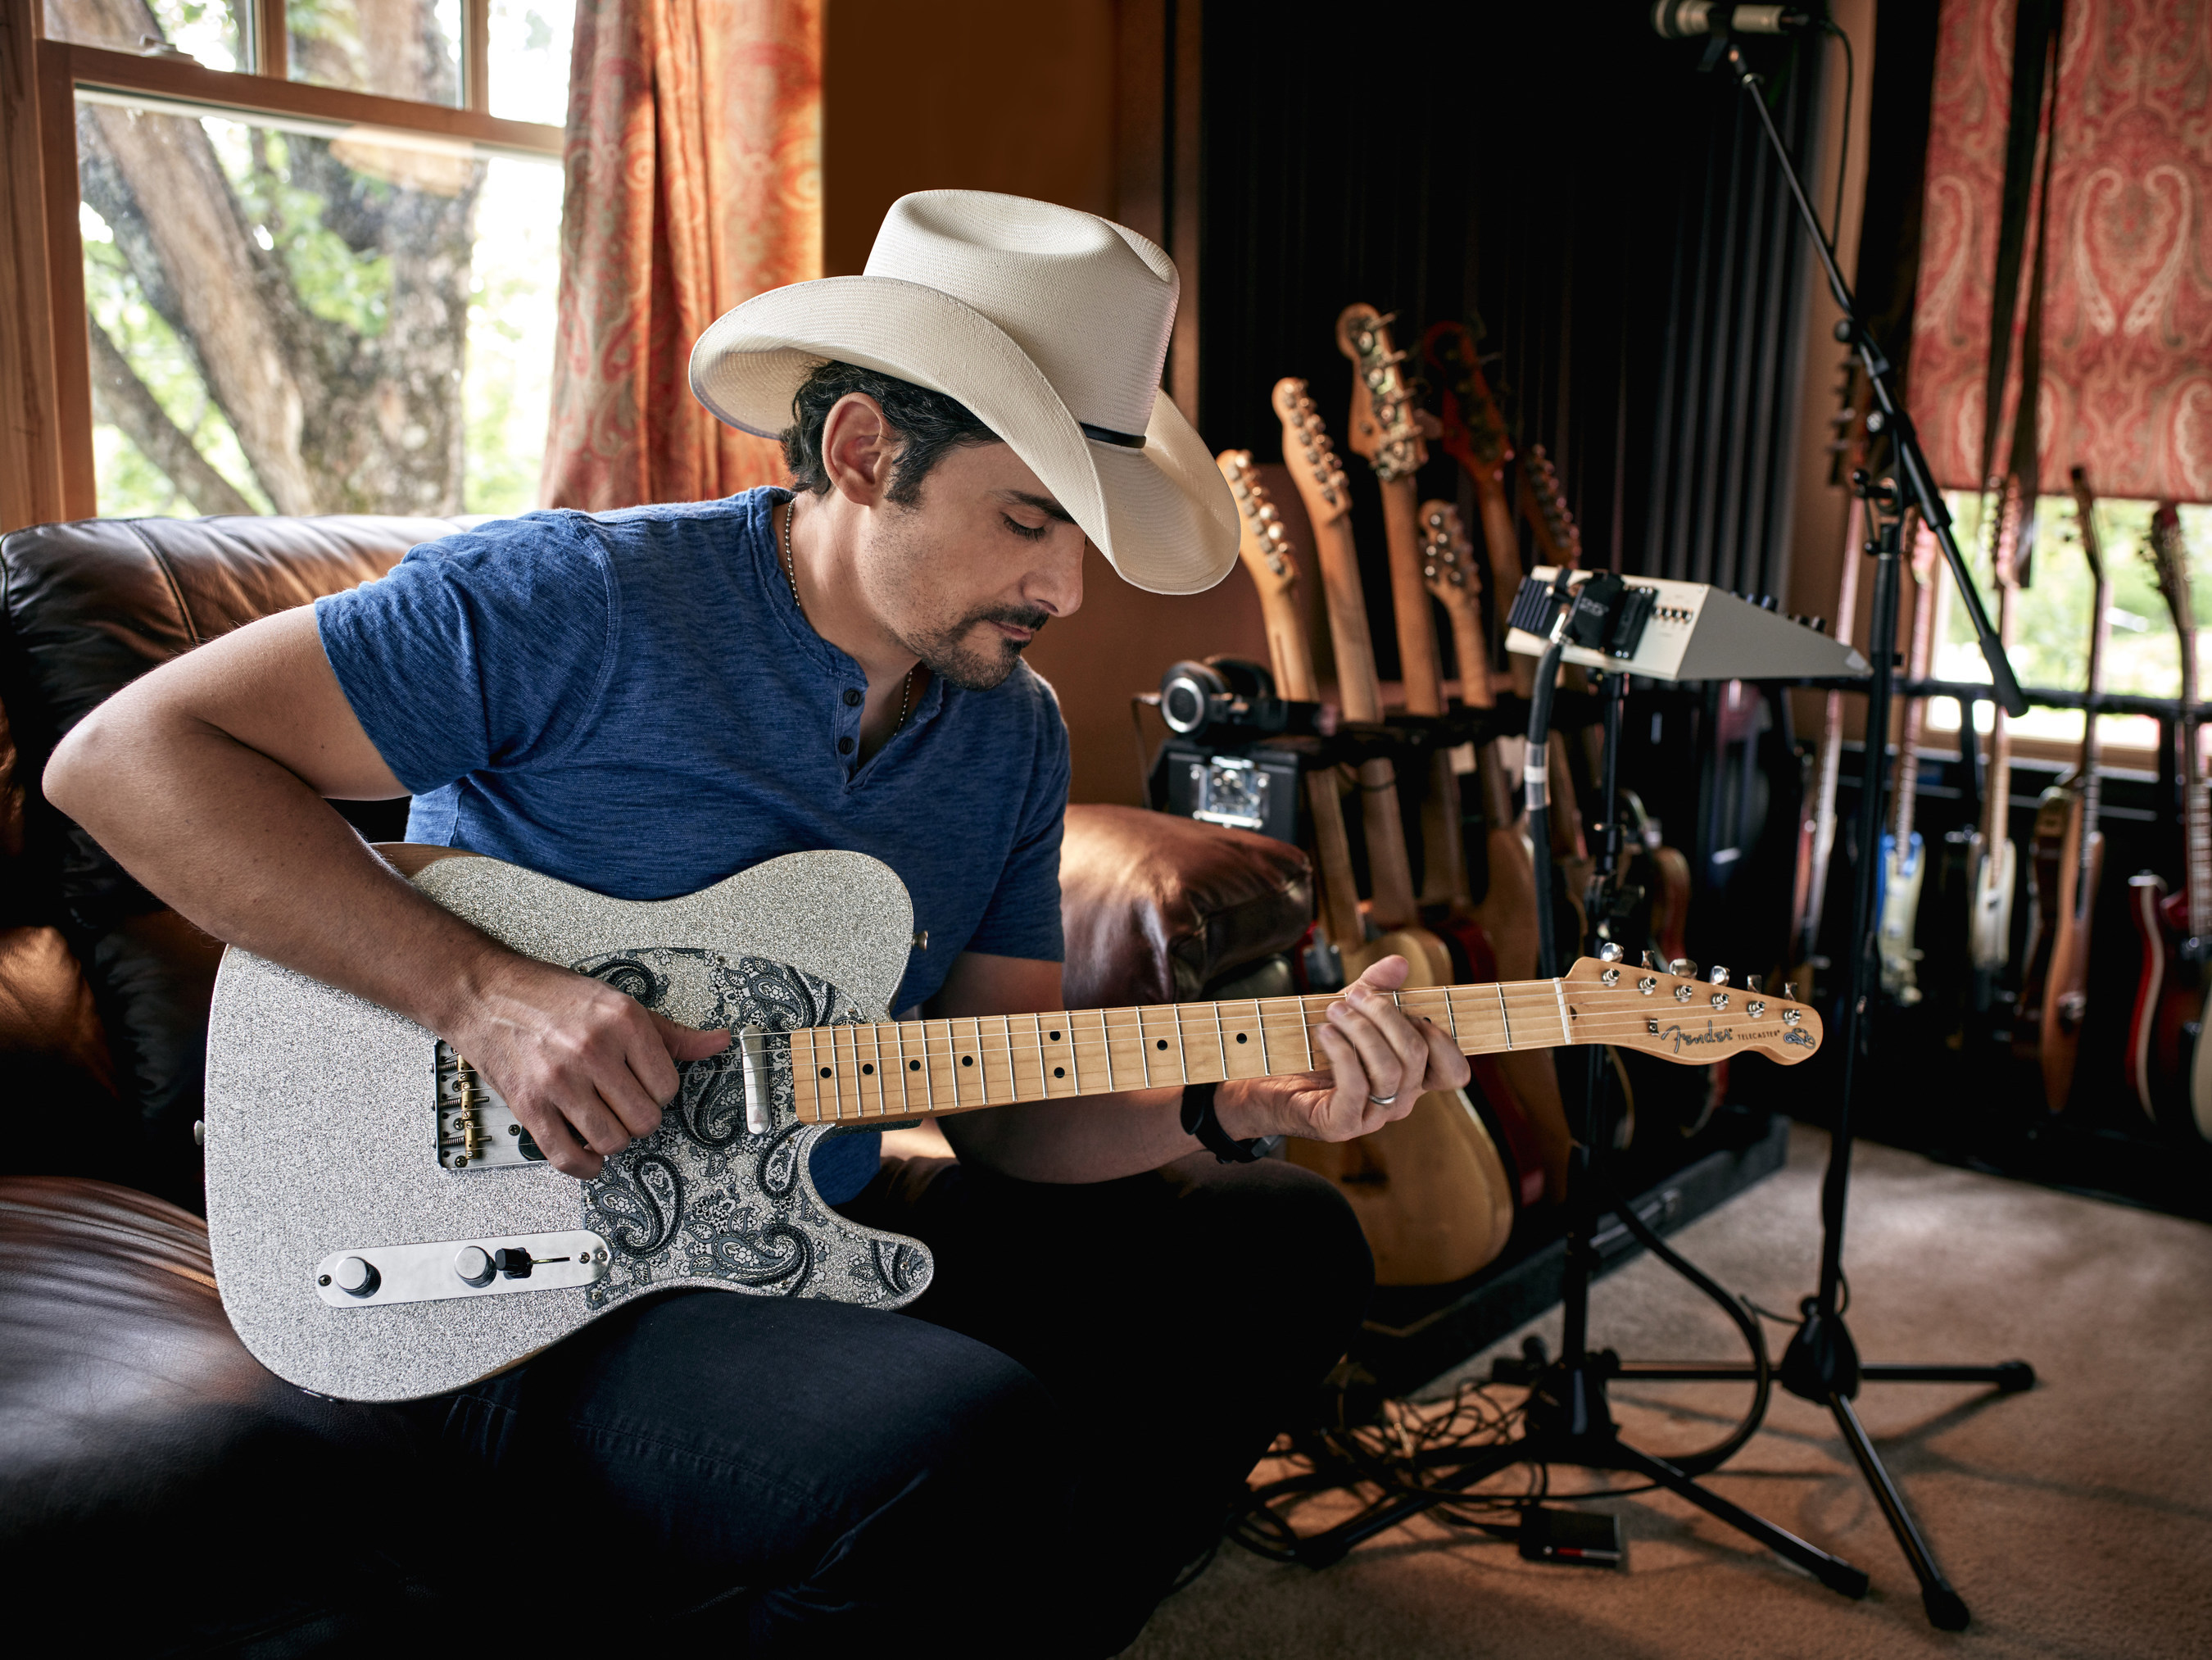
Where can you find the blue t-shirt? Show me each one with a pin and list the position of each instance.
(632, 702)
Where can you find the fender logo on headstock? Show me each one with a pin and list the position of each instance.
(1711, 1034)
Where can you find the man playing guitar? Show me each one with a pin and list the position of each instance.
(642, 702)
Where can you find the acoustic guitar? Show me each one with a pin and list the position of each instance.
(1904, 858)
(1507, 909)
(1432, 1190)
(383, 1228)
(1992, 854)
(2066, 865)
(2169, 1064)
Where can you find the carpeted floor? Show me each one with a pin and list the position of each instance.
(2075, 1520)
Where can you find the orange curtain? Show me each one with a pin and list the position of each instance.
(2127, 328)
(694, 181)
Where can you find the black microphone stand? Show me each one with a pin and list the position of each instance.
(1822, 1363)
(1566, 1419)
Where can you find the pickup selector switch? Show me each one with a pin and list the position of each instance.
(474, 1265)
(512, 1263)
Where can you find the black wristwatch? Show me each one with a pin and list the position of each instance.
(1199, 1119)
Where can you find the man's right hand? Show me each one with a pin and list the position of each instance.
(587, 1069)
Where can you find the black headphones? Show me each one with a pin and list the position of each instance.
(1226, 698)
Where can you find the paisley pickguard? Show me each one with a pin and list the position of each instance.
(703, 1197)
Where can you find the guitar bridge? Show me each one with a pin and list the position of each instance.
(476, 1130)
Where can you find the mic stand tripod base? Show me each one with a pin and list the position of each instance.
(1570, 1423)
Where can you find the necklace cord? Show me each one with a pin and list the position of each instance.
(791, 576)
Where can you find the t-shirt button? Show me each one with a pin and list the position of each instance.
(852, 698)
(844, 747)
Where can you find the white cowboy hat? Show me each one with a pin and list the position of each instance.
(1050, 325)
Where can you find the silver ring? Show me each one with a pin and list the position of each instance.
(1383, 1100)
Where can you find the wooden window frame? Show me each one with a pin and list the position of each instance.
(47, 470)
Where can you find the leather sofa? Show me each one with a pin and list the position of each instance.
(156, 1481)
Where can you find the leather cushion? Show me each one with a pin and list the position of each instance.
(1156, 907)
(92, 605)
(158, 1486)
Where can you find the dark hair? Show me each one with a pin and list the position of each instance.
(929, 424)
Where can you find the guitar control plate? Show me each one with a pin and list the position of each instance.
(431, 1272)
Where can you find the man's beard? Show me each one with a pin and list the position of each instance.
(949, 656)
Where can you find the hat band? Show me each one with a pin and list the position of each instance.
(1128, 441)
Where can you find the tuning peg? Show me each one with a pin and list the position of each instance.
(1719, 976)
(1789, 989)
(1682, 969)
(1754, 983)
(1651, 959)
(1610, 951)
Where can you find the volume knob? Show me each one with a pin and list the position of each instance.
(356, 1276)
(474, 1265)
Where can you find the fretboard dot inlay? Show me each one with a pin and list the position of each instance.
(1240, 1036)
(1060, 1072)
(967, 1060)
(866, 1070)
(913, 1065)
(825, 1072)
(1054, 1036)
(1162, 1042)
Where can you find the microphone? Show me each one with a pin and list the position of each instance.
(1678, 20)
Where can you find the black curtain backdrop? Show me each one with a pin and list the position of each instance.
(1567, 182)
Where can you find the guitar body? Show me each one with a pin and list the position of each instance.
(2165, 1056)
(2054, 993)
(324, 1126)
(1988, 926)
(1903, 870)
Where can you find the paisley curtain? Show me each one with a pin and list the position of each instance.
(2126, 384)
(694, 181)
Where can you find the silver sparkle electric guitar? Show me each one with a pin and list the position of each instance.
(383, 1228)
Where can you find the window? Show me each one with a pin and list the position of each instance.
(2051, 628)
(318, 276)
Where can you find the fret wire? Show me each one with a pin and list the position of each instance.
(1144, 1049)
(952, 1059)
(898, 1037)
(928, 1086)
(1221, 1042)
(1013, 1077)
(876, 1044)
(1182, 1052)
(1559, 990)
(814, 1071)
(1505, 1017)
(1107, 1044)
(1044, 1072)
(1260, 1020)
(1074, 1066)
(982, 1070)
(860, 1098)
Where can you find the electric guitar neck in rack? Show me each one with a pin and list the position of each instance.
(1995, 859)
(2066, 863)
(2169, 1063)
(382, 1229)
(1904, 865)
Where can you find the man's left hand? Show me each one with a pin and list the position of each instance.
(1382, 1060)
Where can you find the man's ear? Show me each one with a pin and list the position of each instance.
(859, 449)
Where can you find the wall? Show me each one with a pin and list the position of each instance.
(1032, 99)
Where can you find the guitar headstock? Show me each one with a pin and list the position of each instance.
(1562, 538)
(1262, 543)
(2171, 559)
(1447, 566)
(1386, 427)
(1679, 1017)
(1310, 453)
(1474, 433)
(2085, 518)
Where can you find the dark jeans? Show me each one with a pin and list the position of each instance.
(1023, 1460)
